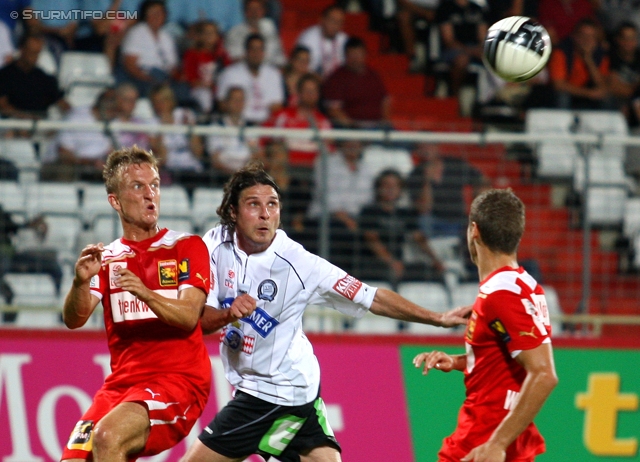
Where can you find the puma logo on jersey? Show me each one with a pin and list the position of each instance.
(153, 395)
(204, 280)
(528, 334)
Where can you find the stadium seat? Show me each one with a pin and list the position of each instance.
(174, 202)
(604, 170)
(94, 202)
(379, 158)
(606, 205)
(321, 319)
(553, 305)
(52, 198)
(556, 159)
(32, 290)
(84, 95)
(47, 62)
(205, 203)
(176, 224)
(144, 110)
(431, 295)
(106, 229)
(465, 294)
(12, 197)
(631, 219)
(21, 152)
(81, 67)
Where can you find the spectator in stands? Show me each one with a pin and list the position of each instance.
(126, 99)
(349, 188)
(408, 12)
(297, 66)
(386, 226)
(262, 83)
(229, 153)
(81, 153)
(436, 189)
(149, 53)
(462, 26)
(625, 64)
(560, 17)
(305, 114)
(612, 13)
(202, 63)
(225, 13)
(579, 69)
(56, 22)
(326, 41)
(184, 153)
(25, 90)
(255, 22)
(355, 95)
(106, 34)
(12, 261)
(6, 45)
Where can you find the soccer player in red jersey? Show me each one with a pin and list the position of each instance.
(153, 284)
(508, 366)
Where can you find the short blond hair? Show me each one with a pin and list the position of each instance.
(120, 159)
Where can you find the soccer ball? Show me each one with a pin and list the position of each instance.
(516, 48)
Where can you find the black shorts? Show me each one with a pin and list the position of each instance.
(248, 425)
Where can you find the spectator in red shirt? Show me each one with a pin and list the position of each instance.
(354, 94)
(202, 63)
(305, 114)
(579, 69)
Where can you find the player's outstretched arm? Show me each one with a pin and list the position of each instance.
(79, 303)
(541, 380)
(390, 304)
(183, 312)
(441, 361)
(213, 319)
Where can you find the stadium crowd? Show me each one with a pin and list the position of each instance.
(222, 62)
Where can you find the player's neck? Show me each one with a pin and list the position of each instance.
(488, 262)
(137, 233)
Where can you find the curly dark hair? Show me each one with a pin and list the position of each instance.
(250, 175)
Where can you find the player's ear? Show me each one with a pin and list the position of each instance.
(232, 213)
(114, 202)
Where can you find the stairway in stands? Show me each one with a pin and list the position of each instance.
(549, 239)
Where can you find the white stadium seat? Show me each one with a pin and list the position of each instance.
(553, 305)
(81, 67)
(431, 295)
(174, 202)
(32, 290)
(379, 158)
(12, 197)
(465, 294)
(205, 203)
(631, 220)
(176, 224)
(53, 198)
(606, 205)
(555, 158)
(94, 202)
(373, 324)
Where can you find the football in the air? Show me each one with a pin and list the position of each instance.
(516, 48)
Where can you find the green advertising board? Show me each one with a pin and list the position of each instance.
(592, 415)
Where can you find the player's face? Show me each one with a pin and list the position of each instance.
(257, 218)
(138, 198)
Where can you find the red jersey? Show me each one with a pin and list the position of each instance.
(302, 153)
(141, 345)
(204, 65)
(509, 315)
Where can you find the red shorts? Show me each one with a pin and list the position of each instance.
(171, 401)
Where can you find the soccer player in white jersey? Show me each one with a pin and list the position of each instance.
(277, 411)
(508, 366)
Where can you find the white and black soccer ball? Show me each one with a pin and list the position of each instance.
(516, 48)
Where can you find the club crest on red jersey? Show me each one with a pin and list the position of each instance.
(168, 273)
(348, 287)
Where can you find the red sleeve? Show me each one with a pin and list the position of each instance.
(190, 66)
(193, 268)
(519, 318)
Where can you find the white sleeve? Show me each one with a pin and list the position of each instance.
(131, 44)
(334, 288)
(212, 297)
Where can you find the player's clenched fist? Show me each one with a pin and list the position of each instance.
(242, 306)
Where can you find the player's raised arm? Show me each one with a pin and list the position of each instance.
(390, 304)
(80, 303)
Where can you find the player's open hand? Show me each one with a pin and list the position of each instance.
(434, 359)
(88, 264)
(455, 317)
(242, 306)
(486, 452)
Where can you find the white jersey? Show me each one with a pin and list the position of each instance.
(266, 354)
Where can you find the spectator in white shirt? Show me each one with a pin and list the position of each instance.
(149, 53)
(262, 83)
(6, 45)
(256, 23)
(326, 41)
(81, 153)
(229, 153)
